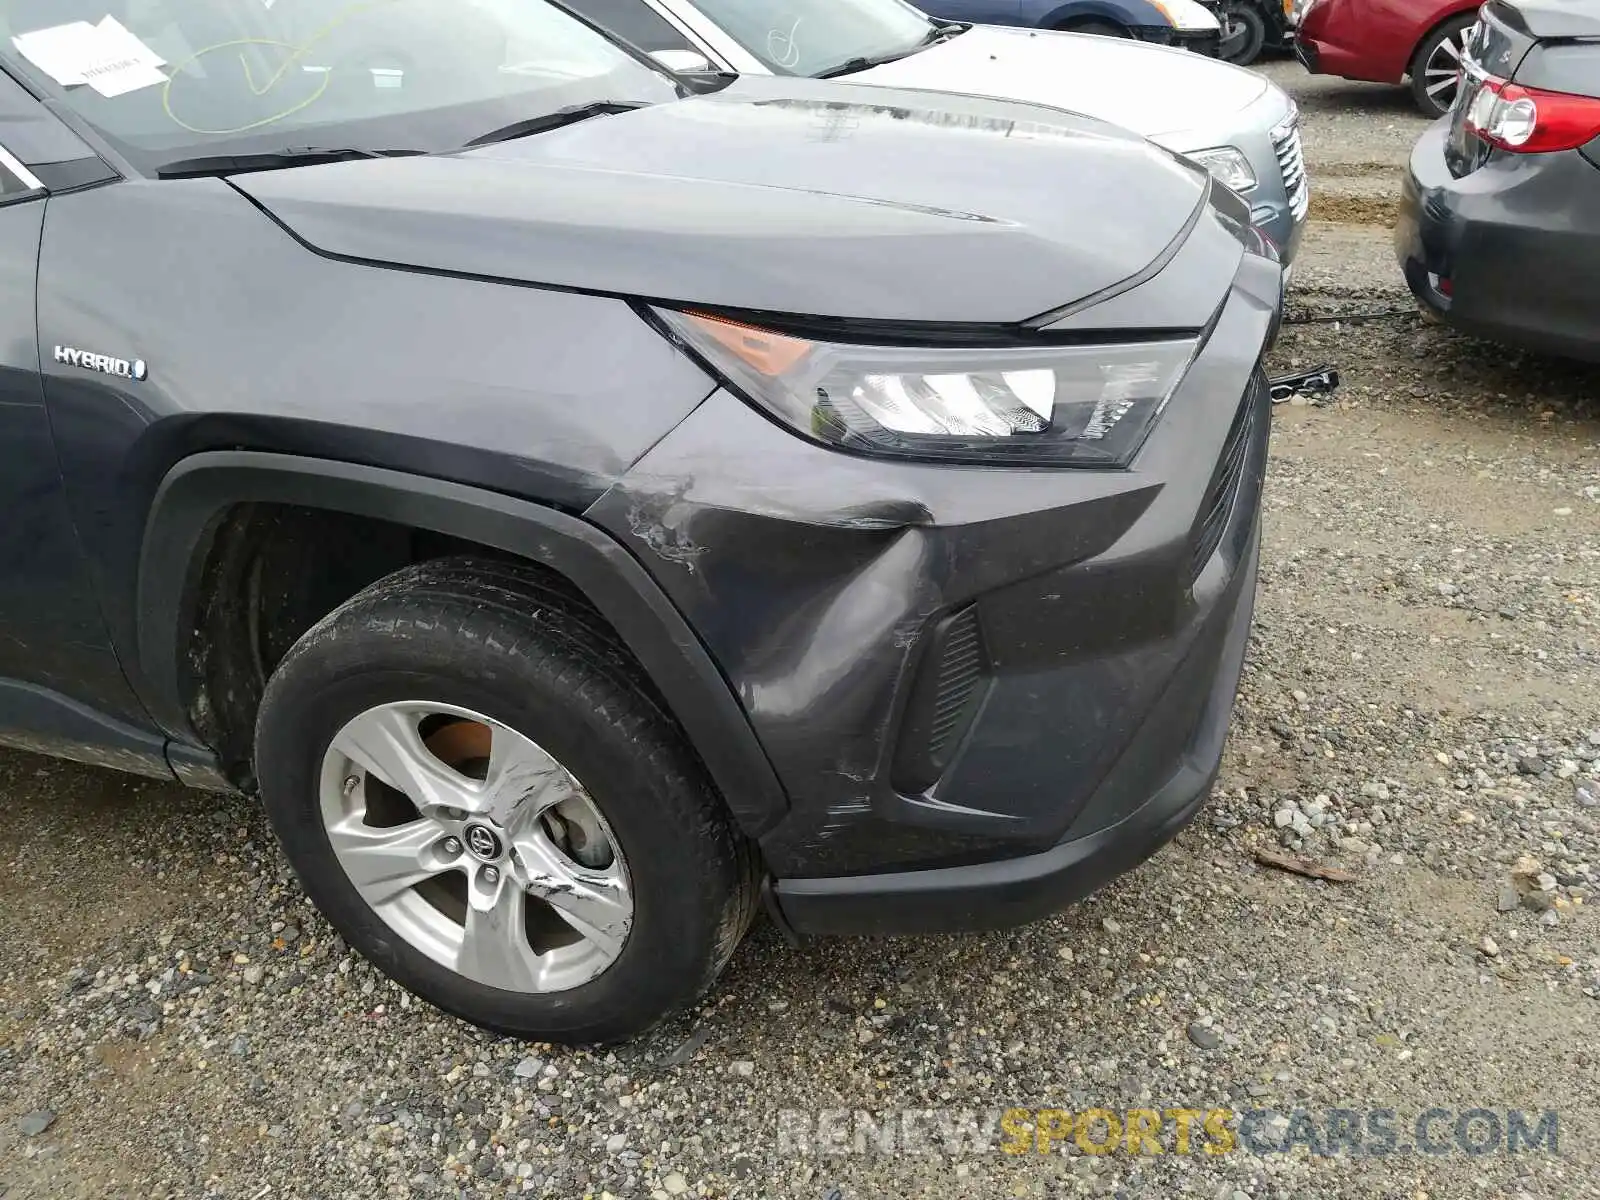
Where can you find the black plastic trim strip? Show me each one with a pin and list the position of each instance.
(200, 489)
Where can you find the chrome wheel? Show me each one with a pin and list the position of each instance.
(1441, 72)
(476, 846)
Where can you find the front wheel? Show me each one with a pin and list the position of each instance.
(476, 787)
(1244, 32)
(1436, 66)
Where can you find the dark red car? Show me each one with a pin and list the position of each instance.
(1388, 41)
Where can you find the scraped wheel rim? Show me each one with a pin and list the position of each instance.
(476, 846)
(1441, 74)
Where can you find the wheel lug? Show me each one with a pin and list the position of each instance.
(452, 846)
(491, 874)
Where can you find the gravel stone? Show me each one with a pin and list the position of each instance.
(34, 1123)
(1204, 1036)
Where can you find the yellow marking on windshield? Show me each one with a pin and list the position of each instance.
(297, 54)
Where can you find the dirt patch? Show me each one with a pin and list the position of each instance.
(1342, 208)
(1385, 171)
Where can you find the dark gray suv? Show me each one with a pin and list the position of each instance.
(1498, 230)
(588, 503)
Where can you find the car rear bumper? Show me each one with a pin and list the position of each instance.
(1511, 251)
(1338, 37)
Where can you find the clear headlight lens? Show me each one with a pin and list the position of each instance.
(1078, 405)
(1228, 166)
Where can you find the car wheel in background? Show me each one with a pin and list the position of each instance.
(1244, 32)
(1436, 66)
(477, 787)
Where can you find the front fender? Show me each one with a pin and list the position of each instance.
(1050, 14)
(197, 493)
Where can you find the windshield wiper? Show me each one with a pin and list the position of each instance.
(553, 120)
(941, 31)
(272, 160)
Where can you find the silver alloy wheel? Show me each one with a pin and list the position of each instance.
(476, 846)
(1441, 74)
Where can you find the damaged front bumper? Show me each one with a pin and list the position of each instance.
(1120, 826)
(985, 691)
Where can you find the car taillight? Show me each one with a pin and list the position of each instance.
(1528, 120)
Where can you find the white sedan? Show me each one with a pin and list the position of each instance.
(1237, 124)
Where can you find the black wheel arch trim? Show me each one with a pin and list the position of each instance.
(199, 490)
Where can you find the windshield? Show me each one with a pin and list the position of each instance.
(808, 37)
(164, 79)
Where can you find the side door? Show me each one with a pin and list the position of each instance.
(61, 686)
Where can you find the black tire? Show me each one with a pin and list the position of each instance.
(1436, 103)
(1244, 32)
(1098, 28)
(506, 641)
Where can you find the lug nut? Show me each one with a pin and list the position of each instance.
(452, 846)
(491, 874)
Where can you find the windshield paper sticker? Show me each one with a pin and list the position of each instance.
(106, 56)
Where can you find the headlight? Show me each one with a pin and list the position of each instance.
(1069, 406)
(1185, 15)
(1228, 166)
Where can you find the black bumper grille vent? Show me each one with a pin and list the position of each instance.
(951, 682)
(959, 670)
(1224, 489)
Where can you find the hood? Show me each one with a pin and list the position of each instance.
(1149, 89)
(1551, 18)
(787, 195)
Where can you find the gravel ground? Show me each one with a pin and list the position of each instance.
(1420, 708)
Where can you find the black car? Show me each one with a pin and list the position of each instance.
(1499, 224)
(588, 504)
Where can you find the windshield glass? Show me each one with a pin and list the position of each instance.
(807, 37)
(165, 79)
